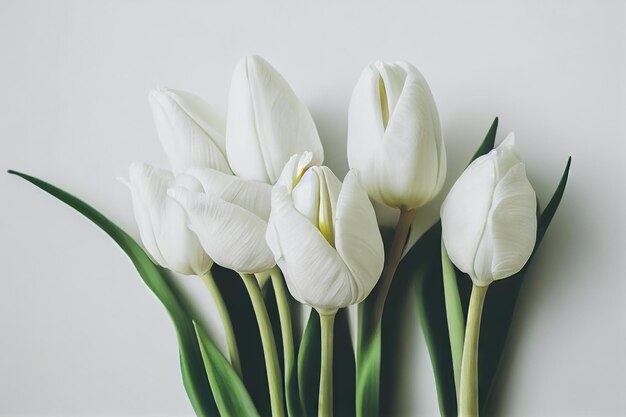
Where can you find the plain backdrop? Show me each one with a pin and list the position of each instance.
(80, 335)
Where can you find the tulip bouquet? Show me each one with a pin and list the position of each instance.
(248, 207)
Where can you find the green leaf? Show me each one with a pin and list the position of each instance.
(230, 394)
(500, 305)
(192, 367)
(370, 396)
(488, 143)
(368, 382)
(309, 363)
(426, 269)
(344, 368)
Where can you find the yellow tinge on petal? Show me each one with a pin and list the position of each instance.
(325, 217)
(384, 104)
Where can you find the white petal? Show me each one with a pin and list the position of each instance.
(306, 196)
(464, 212)
(267, 123)
(163, 223)
(191, 133)
(314, 271)
(142, 218)
(405, 166)
(393, 78)
(294, 169)
(253, 196)
(365, 121)
(357, 237)
(231, 235)
(509, 237)
(413, 152)
(506, 156)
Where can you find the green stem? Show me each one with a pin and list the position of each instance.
(468, 398)
(370, 315)
(393, 260)
(286, 329)
(454, 315)
(325, 406)
(231, 342)
(269, 345)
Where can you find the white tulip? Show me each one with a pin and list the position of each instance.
(394, 136)
(163, 223)
(324, 236)
(229, 215)
(191, 132)
(267, 122)
(489, 219)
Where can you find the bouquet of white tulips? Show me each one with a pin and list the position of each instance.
(248, 207)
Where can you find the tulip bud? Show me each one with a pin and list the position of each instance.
(267, 122)
(489, 220)
(324, 236)
(163, 223)
(229, 216)
(394, 136)
(191, 132)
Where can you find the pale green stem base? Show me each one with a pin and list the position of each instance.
(393, 260)
(468, 398)
(231, 342)
(286, 325)
(454, 315)
(325, 406)
(270, 354)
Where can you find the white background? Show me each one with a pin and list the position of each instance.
(80, 335)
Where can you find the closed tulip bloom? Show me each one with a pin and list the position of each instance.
(229, 216)
(267, 122)
(489, 219)
(163, 223)
(191, 132)
(394, 136)
(324, 236)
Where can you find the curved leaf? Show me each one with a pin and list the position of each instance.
(230, 394)
(192, 367)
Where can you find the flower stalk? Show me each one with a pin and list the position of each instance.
(392, 261)
(468, 398)
(325, 406)
(286, 330)
(269, 345)
(231, 342)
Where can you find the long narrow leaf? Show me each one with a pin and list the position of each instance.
(192, 367)
(309, 362)
(230, 394)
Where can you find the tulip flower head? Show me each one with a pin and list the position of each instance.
(324, 235)
(489, 220)
(191, 132)
(163, 223)
(394, 136)
(229, 216)
(267, 122)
